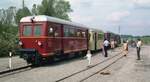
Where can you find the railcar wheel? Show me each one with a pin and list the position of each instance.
(37, 61)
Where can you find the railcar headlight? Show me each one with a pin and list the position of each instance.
(39, 43)
(20, 43)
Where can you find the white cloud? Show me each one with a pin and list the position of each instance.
(103, 14)
(141, 1)
(139, 24)
(142, 4)
(136, 24)
(117, 16)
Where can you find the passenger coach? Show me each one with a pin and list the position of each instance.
(43, 37)
(112, 36)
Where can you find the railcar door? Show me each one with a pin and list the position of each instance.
(54, 40)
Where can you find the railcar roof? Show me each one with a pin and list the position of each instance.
(95, 30)
(40, 18)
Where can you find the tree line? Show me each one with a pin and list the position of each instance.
(9, 20)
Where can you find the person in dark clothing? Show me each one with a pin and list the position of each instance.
(106, 44)
(138, 47)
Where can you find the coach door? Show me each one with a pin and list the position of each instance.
(54, 40)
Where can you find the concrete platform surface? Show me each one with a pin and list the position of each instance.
(128, 69)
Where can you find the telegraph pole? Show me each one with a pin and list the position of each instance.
(23, 4)
(119, 32)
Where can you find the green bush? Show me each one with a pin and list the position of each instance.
(8, 39)
(146, 39)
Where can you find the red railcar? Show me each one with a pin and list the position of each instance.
(43, 37)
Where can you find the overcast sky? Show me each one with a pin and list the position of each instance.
(132, 16)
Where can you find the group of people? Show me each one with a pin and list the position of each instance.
(138, 48)
(106, 44)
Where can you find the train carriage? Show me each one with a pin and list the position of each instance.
(95, 39)
(112, 36)
(43, 37)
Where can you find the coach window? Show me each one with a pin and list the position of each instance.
(72, 32)
(50, 31)
(57, 32)
(27, 31)
(83, 34)
(66, 31)
(78, 34)
(37, 30)
(100, 36)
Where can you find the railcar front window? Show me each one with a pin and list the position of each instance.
(37, 30)
(27, 30)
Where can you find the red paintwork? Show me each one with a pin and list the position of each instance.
(74, 44)
(50, 45)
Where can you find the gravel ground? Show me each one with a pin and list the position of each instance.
(51, 73)
(16, 62)
(128, 69)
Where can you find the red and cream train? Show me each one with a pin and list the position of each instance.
(44, 37)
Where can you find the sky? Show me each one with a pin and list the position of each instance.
(131, 16)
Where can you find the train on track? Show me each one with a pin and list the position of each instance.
(44, 37)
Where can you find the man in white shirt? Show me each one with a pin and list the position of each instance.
(138, 47)
(106, 44)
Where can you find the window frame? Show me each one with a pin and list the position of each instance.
(56, 30)
(32, 25)
(23, 30)
(34, 29)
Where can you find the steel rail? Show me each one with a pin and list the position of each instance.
(87, 68)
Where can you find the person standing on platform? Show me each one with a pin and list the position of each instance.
(127, 44)
(138, 47)
(112, 45)
(106, 45)
(88, 56)
(125, 48)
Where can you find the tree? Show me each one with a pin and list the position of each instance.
(7, 16)
(8, 30)
(8, 38)
(62, 9)
(22, 13)
(11, 13)
(55, 8)
(34, 9)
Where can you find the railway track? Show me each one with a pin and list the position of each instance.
(28, 67)
(83, 70)
(12, 71)
(101, 69)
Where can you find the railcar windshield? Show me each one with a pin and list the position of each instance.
(27, 31)
(32, 30)
(37, 30)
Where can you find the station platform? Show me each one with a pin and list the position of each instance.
(127, 69)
